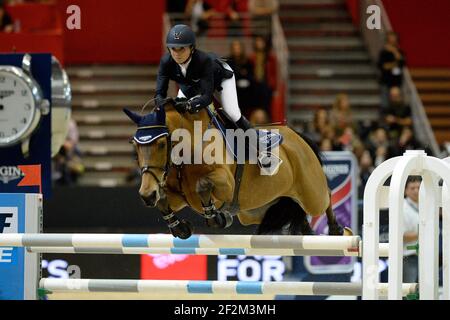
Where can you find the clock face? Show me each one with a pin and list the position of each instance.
(17, 107)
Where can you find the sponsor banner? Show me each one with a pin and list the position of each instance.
(341, 171)
(173, 267)
(250, 268)
(12, 262)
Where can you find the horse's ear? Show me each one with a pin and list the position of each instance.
(161, 115)
(132, 115)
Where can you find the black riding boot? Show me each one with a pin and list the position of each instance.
(244, 124)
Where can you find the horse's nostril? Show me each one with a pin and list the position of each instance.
(150, 200)
(152, 196)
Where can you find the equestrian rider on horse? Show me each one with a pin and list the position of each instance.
(199, 75)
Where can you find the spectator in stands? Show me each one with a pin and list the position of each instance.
(199, 12)
(261, 14)
(259, 117)
(319, 125)
(349, 140)
(379, 145)
(411, 229)
(330, 133)
(229, 9)
(326, 145)
(176, 6)
(68, 166)
(265, 73)
(391, 61)
(243, 72)
(6, 23)
(398, 114)
(406, 141)
(365, 170)
(340, 114)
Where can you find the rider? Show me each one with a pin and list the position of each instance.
(199, 75)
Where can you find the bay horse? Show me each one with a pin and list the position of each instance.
(298, 189)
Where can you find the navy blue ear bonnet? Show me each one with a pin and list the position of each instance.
(150, 127)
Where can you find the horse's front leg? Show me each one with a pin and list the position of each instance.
(182, 229)
(216, 182)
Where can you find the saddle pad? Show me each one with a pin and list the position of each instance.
(268, 140)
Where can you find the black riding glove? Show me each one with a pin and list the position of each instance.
(194, 106)
(181, 105)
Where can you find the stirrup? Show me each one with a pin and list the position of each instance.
(269, 163)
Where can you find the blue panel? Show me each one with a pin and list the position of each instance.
(232, 252)
(135, 240)
(248, 287)
(12, 265)
(183, 250)
(192, 242)
(199, 287)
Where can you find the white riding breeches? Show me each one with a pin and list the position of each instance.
(227, 97)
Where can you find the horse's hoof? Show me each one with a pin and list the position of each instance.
(335, 230)
(347, 231)
(183, 230)
(221, 220)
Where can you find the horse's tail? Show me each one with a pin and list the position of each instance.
(286, 212)
(312, 145)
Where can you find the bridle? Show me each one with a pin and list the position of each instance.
(165, 169)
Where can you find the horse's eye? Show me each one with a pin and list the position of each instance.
(161, 145)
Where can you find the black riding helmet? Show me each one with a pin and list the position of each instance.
(179, 36)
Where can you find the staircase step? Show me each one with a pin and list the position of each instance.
(117, 163)
(325, 48)
(298, 101)
(334, 57)
(323, 87)
(112, 86)
(439, 110)
(325, 26)
(319, 19)
(320, 33)
(440, 122)
(106, 148)
(432, 98)
(103, 179)
(429, 73)
(312, 2)
(107, 132)
(331, 71)
(331, 84)
(311, 6)
(109, 101)
(442, 135)
(307, 115)
(302, 13)
(432, 86)
(326, 41)
(87, 72)
(100, 118)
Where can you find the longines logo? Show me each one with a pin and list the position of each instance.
(334, 170)
(10, 173)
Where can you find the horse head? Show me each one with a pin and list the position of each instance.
(152, 145)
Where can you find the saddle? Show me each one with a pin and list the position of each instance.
(266, 140)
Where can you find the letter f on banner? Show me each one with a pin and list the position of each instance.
(3, 223)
